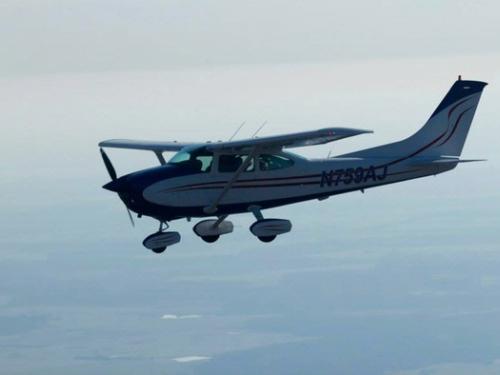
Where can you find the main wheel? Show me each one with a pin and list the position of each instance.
(158, 250)
(267, 238)
(210, 239)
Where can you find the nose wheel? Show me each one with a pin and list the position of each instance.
(159, 241)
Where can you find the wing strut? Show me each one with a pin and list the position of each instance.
(213, 207)
(160, 157)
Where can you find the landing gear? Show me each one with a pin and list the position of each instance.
(159, 241)
(211, 230)
(159, 250)
(210, 239)
(267, 238)
(266, 230)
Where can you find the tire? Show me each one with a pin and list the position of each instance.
(267, 238)
(210, 239)
(159, 250)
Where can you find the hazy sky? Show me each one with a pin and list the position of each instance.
(85, 35)
(402, 280)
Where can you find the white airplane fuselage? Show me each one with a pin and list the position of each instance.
(187, 195)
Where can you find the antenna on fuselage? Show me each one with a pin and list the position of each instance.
(237, 131)
(259, 129)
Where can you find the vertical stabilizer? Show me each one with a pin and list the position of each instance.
(449, 124)
(445, 131)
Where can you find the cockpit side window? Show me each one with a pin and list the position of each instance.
(206, 162)
(231, 163)
(268, 162)
(197, 160)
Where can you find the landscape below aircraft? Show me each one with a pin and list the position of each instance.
(224, 178)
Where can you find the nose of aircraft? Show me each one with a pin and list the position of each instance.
(128, 191)
(119, 185)
(130, 187)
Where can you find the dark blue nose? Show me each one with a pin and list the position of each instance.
(129, 190)
(120, 185)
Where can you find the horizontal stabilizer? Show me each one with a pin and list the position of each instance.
(423, 162)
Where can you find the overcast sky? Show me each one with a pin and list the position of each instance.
(85, 35)
(402, 280)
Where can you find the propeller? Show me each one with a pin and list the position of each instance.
(112, 174)
(130, 217)
(109, 166)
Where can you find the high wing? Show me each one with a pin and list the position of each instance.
(155, 146)
(302, 139)
(158, 147)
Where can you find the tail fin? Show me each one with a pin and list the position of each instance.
(445, 131)
(449, 124)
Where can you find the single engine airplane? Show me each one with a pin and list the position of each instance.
(224, 178)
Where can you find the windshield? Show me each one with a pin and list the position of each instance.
(199, 160)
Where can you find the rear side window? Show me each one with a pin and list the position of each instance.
(268, 162)
(231, 163)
